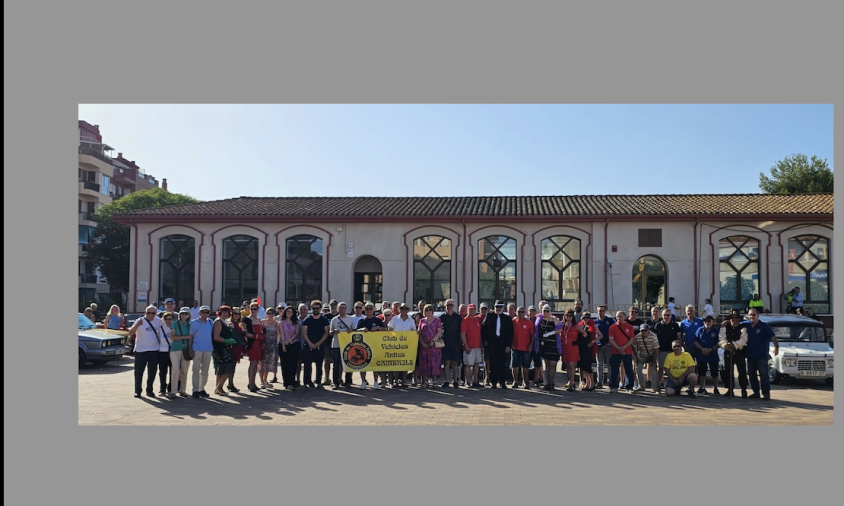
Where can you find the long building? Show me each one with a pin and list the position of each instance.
(620, 250)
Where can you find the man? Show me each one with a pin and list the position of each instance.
(180, 304)
(679, 369)
(385, 305)
(621, 343)
(200, 331)
(672, 307)
(303, 313)
(733, 339)
(603, 324)
(97, 316)
(396, 308)
(706, 344)
(370, 323)
(511, 311)
(451, 352)
(329, 312)
(484, 308)
(315, 330)
(340, 323)
(797, 300)
(756, 303)
(150, 334)
(420, 306)
(497, 335)
(194, 310)
(402, 323)
(666, 332)
(578, 310)
(645, 353)
(170, 305)
(759, 338)
(470, 338)
(536, 372)
(523, 331)
(789, 298)
(690, 326)
(811, 314)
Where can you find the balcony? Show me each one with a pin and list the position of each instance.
(85, 215)
(90, 185)
(88, 278)
(96, 153)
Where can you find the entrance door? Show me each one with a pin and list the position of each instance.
(368, 280)
(650, 283)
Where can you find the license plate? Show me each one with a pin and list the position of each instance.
(812, 373)
(109, 352)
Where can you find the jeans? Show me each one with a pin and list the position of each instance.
(759, 365)
(201, 364)
(615, 361)
(145, 360)
(178, 371)
(603, 358)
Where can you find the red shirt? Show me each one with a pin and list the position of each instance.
(621, 336)
(523, 331)
(472, 328)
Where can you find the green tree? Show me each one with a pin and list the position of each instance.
(110, 248)
(798, 174)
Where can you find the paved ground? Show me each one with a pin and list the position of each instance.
(105, 398)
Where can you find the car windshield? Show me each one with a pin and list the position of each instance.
(85, 323)
(800, 333)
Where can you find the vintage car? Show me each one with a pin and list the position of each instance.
(805, 350)
(99, 345)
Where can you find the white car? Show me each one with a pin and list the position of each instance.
(805, 350)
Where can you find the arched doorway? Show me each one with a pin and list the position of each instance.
(368, 279)
(650, 282)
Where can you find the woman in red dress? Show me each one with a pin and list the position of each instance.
(254, 333)
(571, 351)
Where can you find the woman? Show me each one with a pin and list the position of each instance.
(180, 339)
(270, 357)
(587, 343)
(289, 347)
(417, 318)
(89, 313)
(222, 338)
(113, 319)
(253, 331)
(548, 344)
(166, 388)
(430, 357)
(238, 349)
(571, 351)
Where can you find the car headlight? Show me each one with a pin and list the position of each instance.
(789, 362)
(829, 363)
(103, 344)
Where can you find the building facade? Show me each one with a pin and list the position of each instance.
(102, 179)
(616, 250)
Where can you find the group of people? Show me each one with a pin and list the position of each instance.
(503, 346)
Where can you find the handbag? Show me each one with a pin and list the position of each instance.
(439, 343)
(187, 352)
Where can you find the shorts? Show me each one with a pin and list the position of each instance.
(451, 353)
(702, 366)
(551, 357)
(669, 383)
(475, 356)
(520, 359)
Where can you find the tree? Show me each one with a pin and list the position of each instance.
(797, 174)
(110, 243)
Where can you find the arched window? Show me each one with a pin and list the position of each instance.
(808, 269)
(304, 269)
(240, 269)
(432, 269)
(650, 283)
(739, 260)
(560, 271)
(176, 267)
(496, 269)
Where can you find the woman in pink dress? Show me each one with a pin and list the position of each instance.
(430, 357)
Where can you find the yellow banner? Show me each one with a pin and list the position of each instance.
(378, 351)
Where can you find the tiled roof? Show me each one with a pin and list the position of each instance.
(537, 206)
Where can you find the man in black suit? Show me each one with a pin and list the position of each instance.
(497, 336)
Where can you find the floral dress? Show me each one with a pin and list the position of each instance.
(222, 354)
(268, 361)
(430, 359)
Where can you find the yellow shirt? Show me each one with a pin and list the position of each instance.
(677, 365)
(755, 303)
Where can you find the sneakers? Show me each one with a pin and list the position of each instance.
(195, 395)
(326, 382)
(455, 384)
(636, 388)
(613, 390)
(445, 384)
(376, 386)
(701, 390)
(692, 393)
(716, 392)
(362, 386)
(203, 394)
(752, 396)
(183, 394)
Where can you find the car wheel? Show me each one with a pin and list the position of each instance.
(82, 359)
(776, 376)
(828, 381)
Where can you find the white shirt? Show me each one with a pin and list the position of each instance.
(399, 325)
(194, 313)
(671, 306)
(337, 325)
(145, 338)
(708, 310)
(164, 344)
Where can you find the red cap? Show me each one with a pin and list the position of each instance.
(471, 306)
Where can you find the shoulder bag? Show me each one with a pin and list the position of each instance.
(187, 349)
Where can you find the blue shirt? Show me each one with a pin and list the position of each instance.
(707, 339)
(201, 335)
(603, 327)
(758, 339)
(690, 328)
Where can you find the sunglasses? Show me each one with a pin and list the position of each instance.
(150, 312)
(521, 311)
(449, 305)
(676, 347)
(358, 307)
(546, 310)
(429, 310)
(205, 312)
(316, 307)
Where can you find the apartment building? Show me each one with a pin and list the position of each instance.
(102, 179)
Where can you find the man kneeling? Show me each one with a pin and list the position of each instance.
(679, 370)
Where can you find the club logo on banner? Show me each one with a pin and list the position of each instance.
(378, 351)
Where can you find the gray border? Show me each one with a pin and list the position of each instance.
(98, 52)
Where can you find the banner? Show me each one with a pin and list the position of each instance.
(378, 351)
